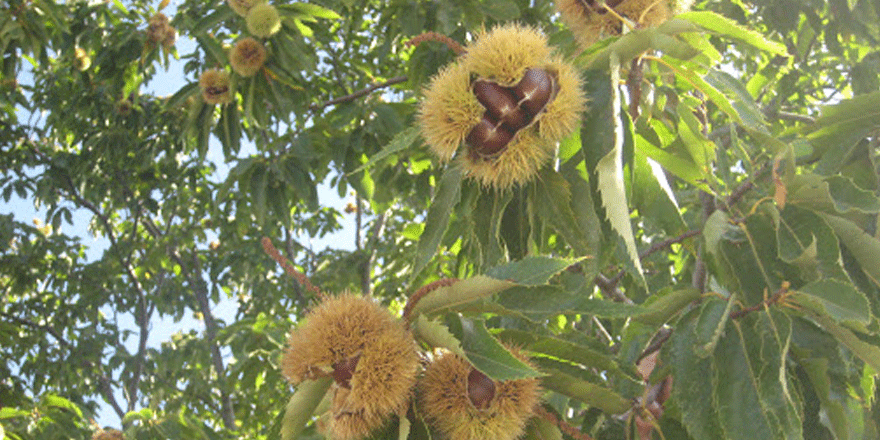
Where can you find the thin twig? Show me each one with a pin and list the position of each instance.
(778, 295)
(634, 86)
(270, 250)
(655, 248)
(434, 36)
(363, 92)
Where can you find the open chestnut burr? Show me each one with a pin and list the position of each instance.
(508, 110)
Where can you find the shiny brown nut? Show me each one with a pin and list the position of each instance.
(501, 104)
(534, 91)
(488, 138)
(344, 370)
(481, 389)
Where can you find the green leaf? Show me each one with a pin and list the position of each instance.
(692, 388)
(611, 185)
(211, 20)
(489, 356)
(259, 188)
(665, 304)
(833, 409)
(865, 248)
(551, 199)
(724, 26)
(437, 221)
(531, 271)
(839, 300)
(60, 402)
(8, 413)
(400, 142)
(567, 384)
(867, 352)
(231, 126)
(315, 10)
(302, 405)
(710, 325)
(539, 303)
(435, 334)
(848, 197)
(458, 294)
(735, 92)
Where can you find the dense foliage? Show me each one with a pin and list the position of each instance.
(699, 259)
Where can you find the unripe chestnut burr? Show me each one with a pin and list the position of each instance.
(501, 104)
(488, 138)
(535, 90)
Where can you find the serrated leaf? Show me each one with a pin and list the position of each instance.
(531, 271)
(867, 352)
(865, 248)
(837, 299)
(587, 392)
(435, 334)
(437, 221)
(590, 357)
(692, 387)
(60, 402)
(735, 91)
(400, 142)
(231, 129)
(848, 197)
(552, 201)
(710, 325)
(302, 405)
(817, 371)
(663, 305)
(459, 293)
(489, 356)
(611, 185)
(538, 303)
(724, 26)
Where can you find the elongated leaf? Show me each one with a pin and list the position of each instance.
(531, 271)
(447, 196)
(489, 356)
(724, 26)
(692, 388)
(735, 91)
(599, 358)
(400, 142)
(817, 371)
(837, 299)
(736, 394)
(867, 352)
(539, 303)
(865, 248)
(302, 405)
(60, 402)
(315, 10)
(436, 334)
(663, 305)
(460, 293)
(552, 201)
(590, 393)
(848, 197)
(710, 325)
(611, 184)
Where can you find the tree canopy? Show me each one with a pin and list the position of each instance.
(658, 225)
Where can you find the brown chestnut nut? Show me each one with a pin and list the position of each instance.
(344, 370)
(501, 104)
(481, 389)
(488, 138)
(534, 90)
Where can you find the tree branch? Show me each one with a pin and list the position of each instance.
(363, 92)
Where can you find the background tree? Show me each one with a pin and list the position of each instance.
(715, 213)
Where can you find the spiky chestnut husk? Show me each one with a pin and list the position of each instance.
(263, 20)
(160, 31)
(368, 352)
(590, 23)
(107, 434)
(511, 145)
(242, 7)
(464, 404)
(215, 86)
(81, 59)
(247, 57)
